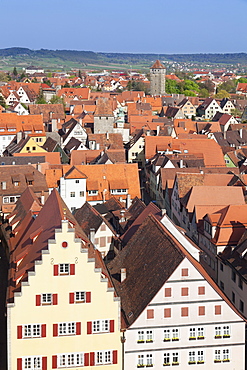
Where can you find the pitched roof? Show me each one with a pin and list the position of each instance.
(158, 65)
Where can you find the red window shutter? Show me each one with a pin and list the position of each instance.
(184, 311)
(43, 330)
(168, 292)
(167, 312)
(55, 330)
(201, 290)
(71, 297)
(78, 328)
(150, 314)
(72, 269)
(89, 327)
(55, 270)
(185, 272)
(91, 358)
(44, 363)
(111, 326)
(88, 297)
(86, 359)
(54, 299)
(217, 310)
(54, 362)
(19, 364)
(38, 300)
(184, 292)
(114, 357)
(19, 332)
(201, 310)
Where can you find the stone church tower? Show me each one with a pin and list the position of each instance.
(158, 78)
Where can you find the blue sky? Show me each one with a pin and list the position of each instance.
(135, 26)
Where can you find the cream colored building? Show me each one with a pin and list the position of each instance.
(62, 312)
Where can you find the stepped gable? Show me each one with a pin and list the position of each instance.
(149, 258)
(29, 249)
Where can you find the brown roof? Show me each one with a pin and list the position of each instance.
(158, 65)
(103, 108)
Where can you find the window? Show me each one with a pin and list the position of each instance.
(141, 336)
(222, 285)
(184, 311)
(233, 297)
(140, 361)
(166, 358)
(167, 312)
(149, 336)
(168, 292)
(201, 290)
(217, 356)
(150, 314)
(80, 296)
(192, 357)
(32, 363)
(184, 292)
(100, 326)
(67, 328)
(64, 268)
(221, 267)
(217, 332)
(46, 298)
(201, 311)
(240, 283)
(92, 192)
(200, 357)
(241, 306)
(200, 333)
(72, 194)
(149, 360)
(233, 276)
(81, 193)
(32, 331)
(226, 354)
(175, 334)
(70, 359)
(77, 181)
(119, 191)
(175, 358)
(192, 333)
(185, 272)
(167, 335)
(103, 357)
(226, 331)
(217, 310)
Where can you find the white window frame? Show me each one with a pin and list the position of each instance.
(67, 328)
(218, 332)
(175, 334)
(200, 356)
(92, 192)
(119, 191)
(80, 296)
(64, 268)
(103, 357)
(31, 331)
(141, 336)
(140, 361)
(167, 335)
(226, 331)
(72, 194)
(167, 358)
(32, 363)
(192, 334)
(192, 357)
(149, 360)
(70, 359)
(175, 358)
(101, 326)
(46, 298)
(149, 336)
(200, 332)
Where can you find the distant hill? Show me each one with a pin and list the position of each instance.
(20, 57)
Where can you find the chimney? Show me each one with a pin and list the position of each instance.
(80, 121)
(128, 201)
(3, 185)
(107, 135)
(122, 218)
(42, 198)
(163, 211)
(241, 133)
(19, 136)
(181, 163)
(123, 274)
(54, 125)
(92, 235)
(97, 146)
(158, 130)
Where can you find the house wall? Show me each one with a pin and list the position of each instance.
(86, 278)
(173, 306)
(73, 192)
(157, 81)
(136, 152)
(103, 239)
(102, 125)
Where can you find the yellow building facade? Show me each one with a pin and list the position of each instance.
(65, 315)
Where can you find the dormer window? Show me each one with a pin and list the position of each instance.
(207, 227)
(92, 192)
(119, 191)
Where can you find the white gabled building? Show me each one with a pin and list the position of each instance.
(173, 312)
